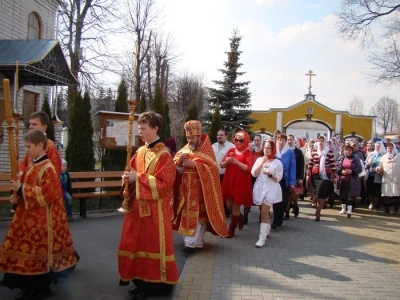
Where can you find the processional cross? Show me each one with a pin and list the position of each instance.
(310, 73)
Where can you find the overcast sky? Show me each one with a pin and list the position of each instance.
(282, 40)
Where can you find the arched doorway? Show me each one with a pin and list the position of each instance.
(305, 128)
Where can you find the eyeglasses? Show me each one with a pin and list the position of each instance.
(239, 141)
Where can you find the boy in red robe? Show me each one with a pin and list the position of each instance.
(38, 246)
(146, 250)
(40, 121)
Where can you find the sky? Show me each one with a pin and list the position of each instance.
(282, 41)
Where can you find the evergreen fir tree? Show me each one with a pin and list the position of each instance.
(166, 120)
(192, 114)
(122, 97)
(115, 160)
(50, 129)
(142, 104)
(233, 96)
(80, 152)
(216, 124)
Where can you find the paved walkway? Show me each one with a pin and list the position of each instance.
(337, 258)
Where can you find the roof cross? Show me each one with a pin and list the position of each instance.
(310, 73)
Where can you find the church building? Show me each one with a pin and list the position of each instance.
(310, 118)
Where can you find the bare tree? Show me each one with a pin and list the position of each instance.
(357, 19)
(84, 27)
(356, 106)
(141, 19)
(386, 112)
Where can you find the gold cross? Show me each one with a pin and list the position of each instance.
(310, 73)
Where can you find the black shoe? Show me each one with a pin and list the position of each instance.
(188, 250)
(317, 219)
(273, 226)
(133, 290)
(38, 295)
(139, 296)
(245, 220)
(286, 216)
(21, 296)
(296, 211)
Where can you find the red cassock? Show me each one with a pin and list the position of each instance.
(38, 240)
(237, 183)
(146, 249)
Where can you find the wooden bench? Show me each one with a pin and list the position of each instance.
(85, 185)
(82, 181)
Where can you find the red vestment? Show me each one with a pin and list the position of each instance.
(199, 194)
(146, 249)
(38, 240)
(237, 183)
(52, 154)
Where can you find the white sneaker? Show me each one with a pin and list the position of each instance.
(370, 207)
(342, 212)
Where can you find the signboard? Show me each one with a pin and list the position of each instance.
(114, 129)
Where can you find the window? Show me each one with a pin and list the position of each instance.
(29, 107)
(34, 25)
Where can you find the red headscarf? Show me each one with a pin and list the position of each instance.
(273, 146)
(242, 146)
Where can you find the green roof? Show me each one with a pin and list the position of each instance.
(41, 62)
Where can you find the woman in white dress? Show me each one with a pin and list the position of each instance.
(266, 191)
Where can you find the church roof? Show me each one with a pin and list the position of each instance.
(40, 62)
(316, 102)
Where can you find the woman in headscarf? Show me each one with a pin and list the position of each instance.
(256, 149)
(348, 169)
(389, 167)
(294, 195)
(268, 171)
(288, 181)
(321, 170)
(373, 178)
(236, 185)
(307, 185)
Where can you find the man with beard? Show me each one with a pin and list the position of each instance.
(220, 148)
(199, 206)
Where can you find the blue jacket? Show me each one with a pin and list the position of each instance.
(288, 161)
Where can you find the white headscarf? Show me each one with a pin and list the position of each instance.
(382, 149)
(253, 146)
(322, 153)
(279, 152)
(295, 143)
(394, 152)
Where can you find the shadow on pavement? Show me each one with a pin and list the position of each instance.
(96, 276)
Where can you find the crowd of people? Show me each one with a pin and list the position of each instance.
(192, 191)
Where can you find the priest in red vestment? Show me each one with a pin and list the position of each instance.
(38, 246)
(199, 206)
(146, 250)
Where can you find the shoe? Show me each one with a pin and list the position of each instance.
(188, 250)
(264, 231)
(70, 219)
(343, 211)
(38, 295)
(273, 226)
(349, 208)
(317, 219)
(22, 295)
(133, 290)
(139, 296)
(240, 222)
(370, 207)
(296, 211)
(286, 216)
